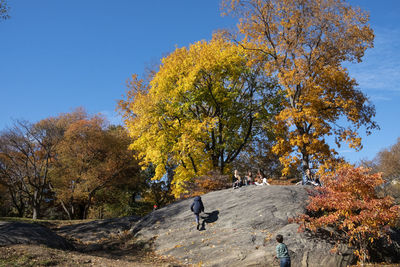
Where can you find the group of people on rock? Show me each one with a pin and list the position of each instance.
(248, 179)
(307, 179)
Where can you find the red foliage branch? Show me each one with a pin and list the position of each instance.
(348, 204)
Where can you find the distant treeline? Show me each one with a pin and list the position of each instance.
(73, 166)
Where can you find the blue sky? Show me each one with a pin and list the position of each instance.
(59, 55)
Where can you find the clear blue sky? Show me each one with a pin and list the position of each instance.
(59, 55)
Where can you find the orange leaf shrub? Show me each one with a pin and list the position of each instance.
(206, 183)
(348, 205)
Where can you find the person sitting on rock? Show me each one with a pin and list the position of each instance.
(314, 179)
(257, 179)
(236, 180)
(197, 207)
(317, 181)
(310, 179)
(307, 177)
(248, 178)
(261, 180)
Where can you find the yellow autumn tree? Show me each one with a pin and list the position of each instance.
(198, 111)
(304, 43)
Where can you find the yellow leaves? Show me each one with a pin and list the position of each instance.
(159, 172)
(197, 109)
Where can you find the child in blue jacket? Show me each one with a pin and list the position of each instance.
(197, 207)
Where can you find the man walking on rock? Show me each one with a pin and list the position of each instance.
(197, 207)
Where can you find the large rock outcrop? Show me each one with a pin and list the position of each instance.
(238, 229)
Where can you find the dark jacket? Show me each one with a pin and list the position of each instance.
(197, 205)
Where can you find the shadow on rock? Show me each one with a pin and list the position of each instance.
(210, 218)
(96, 231)
(29, 233)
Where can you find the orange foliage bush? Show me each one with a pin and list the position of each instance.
(348, 205)
(207, 183)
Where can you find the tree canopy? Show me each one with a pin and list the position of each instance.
(68, 160)
(26, 154)
(304, 44)
(387, 161)
(199, 110)
(91, 157)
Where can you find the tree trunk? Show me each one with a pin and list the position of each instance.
(305, 161)
(85, 212)
(66, 210)
(35, 205)
(20, 213)
(20, 208)
(35, 212)
(86, 207)
(17, 201)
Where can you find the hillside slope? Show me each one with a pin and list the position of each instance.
(239, 229)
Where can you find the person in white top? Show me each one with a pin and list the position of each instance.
(259, 178)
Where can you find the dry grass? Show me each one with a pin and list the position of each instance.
(47, 223)
(32, 255)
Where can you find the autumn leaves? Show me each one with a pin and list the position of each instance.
(281, 72)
